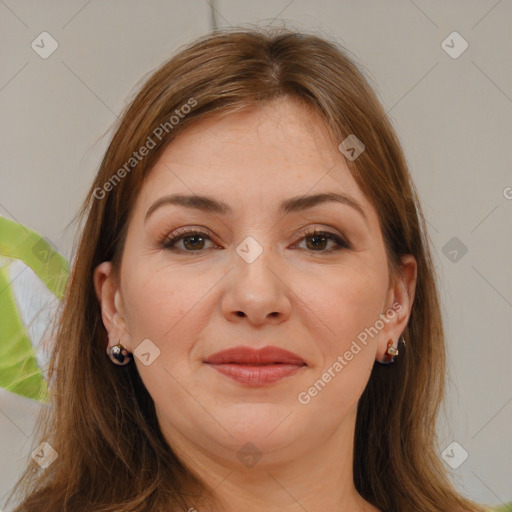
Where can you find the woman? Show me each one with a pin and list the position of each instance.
(252, 320)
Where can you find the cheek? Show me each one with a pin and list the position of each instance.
(159, 302)
(359, 300)
(346, 300)
(164, 307)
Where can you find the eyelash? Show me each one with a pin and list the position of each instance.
(169, 242)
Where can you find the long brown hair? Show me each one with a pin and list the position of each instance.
(101, 420)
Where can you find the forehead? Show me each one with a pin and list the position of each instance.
(265, 153)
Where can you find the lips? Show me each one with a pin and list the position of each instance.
(250, 356)
(256, 367)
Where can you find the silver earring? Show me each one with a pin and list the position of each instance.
(119, 355)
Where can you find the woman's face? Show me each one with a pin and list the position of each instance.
(254, 278)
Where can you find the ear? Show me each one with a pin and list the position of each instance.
(112, 310)
(398, 307)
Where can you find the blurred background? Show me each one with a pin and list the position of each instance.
(439, 68)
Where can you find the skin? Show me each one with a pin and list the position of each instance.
(295, 295)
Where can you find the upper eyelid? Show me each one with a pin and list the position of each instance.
(205, 231)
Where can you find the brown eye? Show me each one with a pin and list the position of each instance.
(193, 241)
(316, 241)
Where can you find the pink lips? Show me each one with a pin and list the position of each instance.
(256, 367)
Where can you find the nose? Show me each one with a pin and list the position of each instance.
(257, 291)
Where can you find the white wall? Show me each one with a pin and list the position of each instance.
(453, 116)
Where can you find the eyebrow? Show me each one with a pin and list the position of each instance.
(293, 204)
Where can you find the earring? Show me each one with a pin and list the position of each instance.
(119, 355)
(391, 352)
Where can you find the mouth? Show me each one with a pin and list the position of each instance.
(254, 367)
